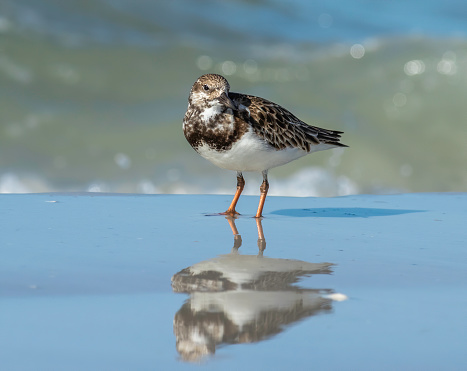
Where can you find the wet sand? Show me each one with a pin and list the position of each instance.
(112, 281)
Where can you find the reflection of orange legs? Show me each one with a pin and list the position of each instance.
(237, 237)
(232, 225)
(264, 191)
(261, 239)
(240, 185)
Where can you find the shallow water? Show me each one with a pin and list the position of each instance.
(143, 282)
(93, 93)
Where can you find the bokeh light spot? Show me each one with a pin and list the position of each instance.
(414, 67)
(357, 51)
(204, 62)
(229, 68)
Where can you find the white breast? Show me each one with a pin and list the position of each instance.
(211, 112)
(250, 153)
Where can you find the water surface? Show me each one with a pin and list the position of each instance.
(122, 282)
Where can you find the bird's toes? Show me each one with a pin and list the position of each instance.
(231, 213)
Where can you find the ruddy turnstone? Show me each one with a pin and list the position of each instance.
(246, 133)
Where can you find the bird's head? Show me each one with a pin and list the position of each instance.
(211, 88)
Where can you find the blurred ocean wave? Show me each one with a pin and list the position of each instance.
(93, 93)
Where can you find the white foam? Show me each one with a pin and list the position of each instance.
(13, 183)
(307, 182)
(337, 297)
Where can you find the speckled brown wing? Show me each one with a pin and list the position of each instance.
(279, 127)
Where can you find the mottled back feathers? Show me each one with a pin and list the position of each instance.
(279, 127)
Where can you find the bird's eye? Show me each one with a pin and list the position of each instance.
(205, 87)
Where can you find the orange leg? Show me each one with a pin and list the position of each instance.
(240, 185)
(264, 191)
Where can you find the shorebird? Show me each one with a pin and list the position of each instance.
(242, 132)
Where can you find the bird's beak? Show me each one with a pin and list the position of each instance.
(225, 100)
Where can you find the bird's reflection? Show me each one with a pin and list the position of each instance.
(243, 298)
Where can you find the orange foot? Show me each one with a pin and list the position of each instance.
(231, 213)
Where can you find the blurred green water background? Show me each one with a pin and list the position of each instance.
(93, 93)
